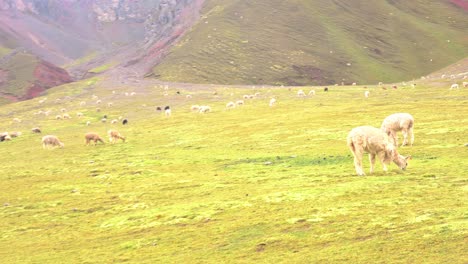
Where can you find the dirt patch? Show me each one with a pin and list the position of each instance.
(46, 76)
(34, 91)
(461, 3)
(49, 75)
(311, 74)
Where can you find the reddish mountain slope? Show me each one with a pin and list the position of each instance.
(461, 3)
(24, 76)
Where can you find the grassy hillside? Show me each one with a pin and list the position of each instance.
(20, 70)
(252, 184)
(4, 51)
(318, 42)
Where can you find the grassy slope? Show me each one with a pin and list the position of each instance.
(21, 74)
(246, 185)
(4, 51)
(283, 41)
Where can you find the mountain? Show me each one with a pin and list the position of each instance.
(62, 31)
(294, 42)
(318, 42)
(86, 37)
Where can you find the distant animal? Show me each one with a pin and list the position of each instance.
(178, 92)
(454, 86)
(204, 109)
(158, 108)
(377, 143)
(51, 141)
(403, 122)
(114, 135)
(395, 87)
(4, 136)
(301, 93)
(17, 120)
(240, 102)
(366, 94)
(63, 110)
(36, 130)
(465, 85)
(66, 116)
(105, 116)
(272, 102)
(125, 121)
(88, 123)
(104, 120)
(325, 89)
(114, 121)
(93, 137)
(188, 96)
(195, 108)
(15, 134)
(167, 111)
(58, 117)
(230, 105)
(312, 92)
(79, 114)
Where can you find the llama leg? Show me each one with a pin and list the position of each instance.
(372, 162)
(382, 160)
(410, 131)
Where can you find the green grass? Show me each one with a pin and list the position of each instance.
(102, 68)
(21, 74)
(82, 60)
(4, 101)
(252, 184)
(310, 42)
(4, 51)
